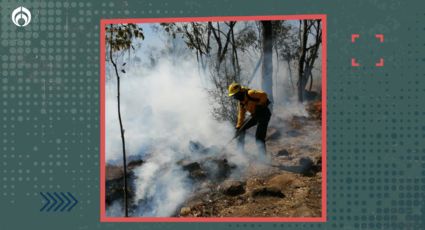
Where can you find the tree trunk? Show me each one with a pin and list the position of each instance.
(121, 130)
(235, 58)
(303, 50)
(314, 52)
(267, 70)
(311, 82)
(288, 61)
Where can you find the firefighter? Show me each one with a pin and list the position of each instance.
(256, 103)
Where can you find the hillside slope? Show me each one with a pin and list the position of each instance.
(288, 184)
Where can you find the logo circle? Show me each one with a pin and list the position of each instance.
(21, 16)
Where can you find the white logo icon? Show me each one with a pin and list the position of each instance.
(21, 16)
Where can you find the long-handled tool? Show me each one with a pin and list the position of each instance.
(240, 130)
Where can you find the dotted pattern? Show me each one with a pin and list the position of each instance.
(50, 110)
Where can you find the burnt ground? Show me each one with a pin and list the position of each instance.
(289, 185)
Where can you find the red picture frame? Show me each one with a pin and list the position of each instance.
(104, 22)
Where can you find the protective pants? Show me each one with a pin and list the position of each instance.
(261, 118)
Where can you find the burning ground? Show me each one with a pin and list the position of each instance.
(205, 181)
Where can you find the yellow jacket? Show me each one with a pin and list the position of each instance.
(255, 98)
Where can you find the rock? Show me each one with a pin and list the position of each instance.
(185, 211)
(293, 133)
(198, 174)
(134, 164)
(318, 163)
(215, 168)
(232, 188)
(218, 168)
(283, 153)
(191, 166)
(306, 165)
(309, 167)
(306, 162)
(285, 182)
(224, 168)
(267, 191)
(304, 211)
(194, 168)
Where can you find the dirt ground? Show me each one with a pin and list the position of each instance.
(289, 186)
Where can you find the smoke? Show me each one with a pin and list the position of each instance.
(161, 186)
(162, 109)
(115, 209)
(164, 106)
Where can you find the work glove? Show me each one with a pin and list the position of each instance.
(238, 131)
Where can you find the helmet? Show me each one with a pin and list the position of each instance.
(234, 88)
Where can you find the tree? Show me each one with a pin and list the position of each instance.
(267, 70)
(308, 53)
(193, 34)
(286, 44)
(216, 46)
(119, 38)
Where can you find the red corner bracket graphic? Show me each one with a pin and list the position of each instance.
(380, 63)
(354, 37)
(380, 37)
(354, 62)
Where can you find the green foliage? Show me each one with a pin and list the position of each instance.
(285, 40)
(246, 38)
(120, 37)
(193, 33)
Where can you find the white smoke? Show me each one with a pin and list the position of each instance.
(163, 184)
(162, 110)
(115, 209)
(166, 105)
